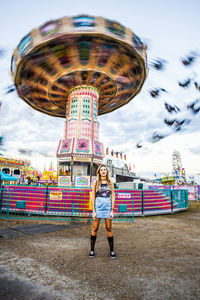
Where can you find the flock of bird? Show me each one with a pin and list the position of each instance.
(174, 120)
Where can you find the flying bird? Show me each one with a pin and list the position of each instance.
(139, 145)
(158, 64)
(192, 107)
(178, 125)
(156, 92)
(10, 89)
(171, 109)
(169, 122)
(185, 84)
(197, 86)
(157, 137)
(188, 60)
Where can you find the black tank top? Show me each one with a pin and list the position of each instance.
(104, 191)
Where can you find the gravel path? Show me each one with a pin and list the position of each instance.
(157, 258)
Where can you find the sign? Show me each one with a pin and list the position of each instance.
(124, 195)
(56, 195)
(64, 159)
(84, 159)
(82, 181)
(64, 180)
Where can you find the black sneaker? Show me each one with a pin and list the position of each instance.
(91, 255)
(112, 254)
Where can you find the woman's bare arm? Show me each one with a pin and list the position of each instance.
(93, 196)
(113, 196)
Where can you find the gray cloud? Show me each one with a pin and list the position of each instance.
(195, 150)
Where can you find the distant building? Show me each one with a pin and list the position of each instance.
(118, 169)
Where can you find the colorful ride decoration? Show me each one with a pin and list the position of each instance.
(78, 68)
(31, 174)
(20, 169)
(167, 180)
(49, 177)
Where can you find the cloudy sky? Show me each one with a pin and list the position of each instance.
(171, 31)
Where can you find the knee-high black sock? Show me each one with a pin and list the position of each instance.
(111, 243)
(93, 240)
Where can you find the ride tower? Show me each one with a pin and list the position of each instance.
(78, 68)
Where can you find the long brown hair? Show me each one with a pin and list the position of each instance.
(98, 182)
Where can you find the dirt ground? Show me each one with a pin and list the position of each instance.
(157, 258)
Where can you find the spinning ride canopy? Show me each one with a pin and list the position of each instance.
(92, 51)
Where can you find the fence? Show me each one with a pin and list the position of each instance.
(192, 189)
(58, 203)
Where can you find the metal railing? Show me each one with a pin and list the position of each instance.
(66, 203)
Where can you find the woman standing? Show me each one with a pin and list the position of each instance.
(103, 201)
